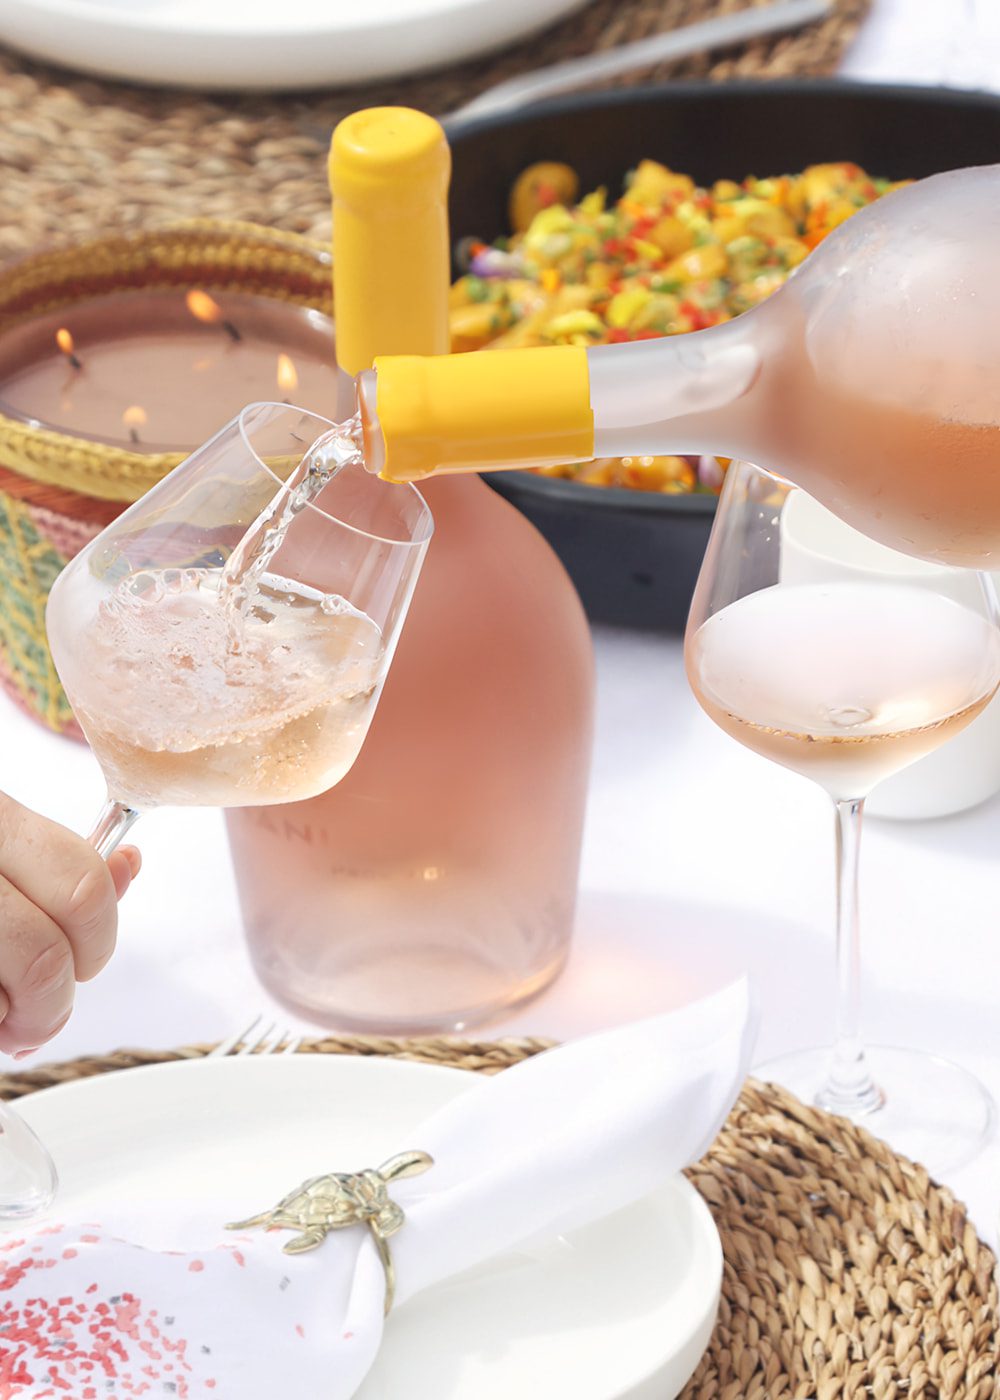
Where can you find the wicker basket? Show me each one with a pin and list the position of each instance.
(57, 491)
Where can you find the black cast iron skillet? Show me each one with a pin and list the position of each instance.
(635, 556)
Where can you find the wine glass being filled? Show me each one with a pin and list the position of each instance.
(224, 642)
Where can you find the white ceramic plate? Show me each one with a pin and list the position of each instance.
(260, 44)
(624, 1308)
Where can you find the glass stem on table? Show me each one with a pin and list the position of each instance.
(111, 826)
(849, 1089)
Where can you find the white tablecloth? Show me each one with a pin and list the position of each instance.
(700, 859)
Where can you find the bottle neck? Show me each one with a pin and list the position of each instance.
(671, 395)
(551, 407)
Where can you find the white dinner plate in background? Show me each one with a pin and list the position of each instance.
(623, 1308)
(235, 45)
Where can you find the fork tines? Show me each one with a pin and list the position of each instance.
(259, 1038)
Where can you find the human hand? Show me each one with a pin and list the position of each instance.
(58, 921)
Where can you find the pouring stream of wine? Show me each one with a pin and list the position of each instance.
(249, 561)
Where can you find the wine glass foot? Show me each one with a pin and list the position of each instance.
(930, 1110)
(28, 1180)
(857, 1104)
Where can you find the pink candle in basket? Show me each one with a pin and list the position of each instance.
(162, 370)
(155, 370)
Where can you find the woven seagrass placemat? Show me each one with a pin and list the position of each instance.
(848, 1272)
(80, 158)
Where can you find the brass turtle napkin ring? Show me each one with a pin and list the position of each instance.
(342, 1199)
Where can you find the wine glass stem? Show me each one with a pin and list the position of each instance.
(849, 1088)
(111, 826)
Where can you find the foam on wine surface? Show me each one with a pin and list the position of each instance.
(845, 683)
(176, 716)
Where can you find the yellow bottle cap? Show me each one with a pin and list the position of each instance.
(389, 172)
(482, 411)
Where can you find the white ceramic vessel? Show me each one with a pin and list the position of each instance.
(235, 45)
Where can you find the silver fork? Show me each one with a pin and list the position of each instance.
(259, 1038)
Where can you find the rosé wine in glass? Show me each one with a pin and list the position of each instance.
(282, 718)
(225, 640)
(844, 683)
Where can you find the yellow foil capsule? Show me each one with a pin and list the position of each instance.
(454, 413)
(389, 171)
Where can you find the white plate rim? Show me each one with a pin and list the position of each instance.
(204, 49)
(701, 1318)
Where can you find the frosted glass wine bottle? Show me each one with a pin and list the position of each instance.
(870, 379)
(436, 884)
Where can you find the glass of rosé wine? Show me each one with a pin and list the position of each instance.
(224, 642)
(846, 678)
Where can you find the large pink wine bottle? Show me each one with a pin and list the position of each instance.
(436, 884)
(870, 379)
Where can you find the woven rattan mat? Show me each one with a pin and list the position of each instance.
(848, 1272)
(80, 158)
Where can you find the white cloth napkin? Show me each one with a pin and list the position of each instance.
(546, 1147)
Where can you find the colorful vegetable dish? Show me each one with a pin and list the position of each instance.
(668, 257)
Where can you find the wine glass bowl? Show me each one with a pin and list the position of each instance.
(965, 772)
(196, 685)
(845, 678)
